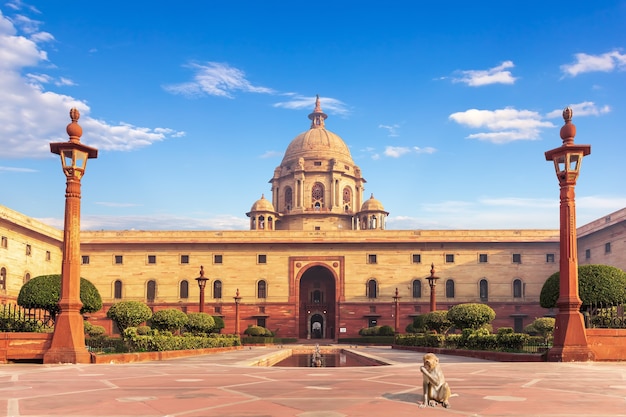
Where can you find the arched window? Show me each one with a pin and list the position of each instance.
(151, 291)
(317, 196)
(484, 290)
(450, 288)
(261, 222)
(184, 289)
(288, 199)
(217, 289)
(261, 289)
(417, 288)
(3, 278)
(26, 277)
(517, 288)
(117, 290)
(371, 288)
(347, 199)
(317, 297)
(373, 223)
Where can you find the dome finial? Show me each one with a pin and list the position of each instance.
(568, 130)
(318, 116)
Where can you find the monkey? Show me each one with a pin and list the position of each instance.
(436, 389)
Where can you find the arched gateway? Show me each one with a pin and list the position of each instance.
(317, 301)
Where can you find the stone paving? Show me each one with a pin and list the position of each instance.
(225, 384)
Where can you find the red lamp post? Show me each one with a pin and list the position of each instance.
(237, 301)
(68, 340)
(432, 282)
(396, 301)
(201, 284)
(570, 338)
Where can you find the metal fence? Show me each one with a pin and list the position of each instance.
(14, 318)
(605, 316)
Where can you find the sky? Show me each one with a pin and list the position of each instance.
(446, 106)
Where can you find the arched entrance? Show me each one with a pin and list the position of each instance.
(317, 304)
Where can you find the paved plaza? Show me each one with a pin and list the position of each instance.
(225, 385)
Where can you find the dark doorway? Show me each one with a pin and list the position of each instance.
(317, 304)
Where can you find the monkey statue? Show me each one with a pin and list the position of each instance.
(436, 389)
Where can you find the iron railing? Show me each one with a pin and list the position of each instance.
(605, 316)
(14, 318)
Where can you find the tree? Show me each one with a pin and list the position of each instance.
(596, 284)
(171, 319)
(471, 315)
(129, 314)
(44, 292)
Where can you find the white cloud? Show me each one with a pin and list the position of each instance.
(396, 151)
(607, 62)
(391, 129)
(31, 117)
(216, 79)
(271, 154)
(14, 169)
(495, 75)
(328, 104)
(586, 108)
(504, 125)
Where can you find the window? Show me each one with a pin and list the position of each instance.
(184, 289)
(262, 259)
(607, 247)
(317, 196)
(151, 291)
(417, 288)
(217, 259)
(84, 260)
(117, 290)
(372, 322)
(517, 288)
(119, 259)
(26, 278)
(482, 258)
(218, 309)
(518, 324)
(450, 288)
(449, 258)
(217, 289)
(48, 255)
(29, 250)
(260, 321)
(261, 289)
(484, 290)
(288, 199)
(184, 259)
(371, 259)
(3, 278)
(517, 258)
(152, 259)
(417, 258)
(371, 288)
(587, 253)
(550, 258)
(317, 163)
(5, 242)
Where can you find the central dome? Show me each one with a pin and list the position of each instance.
(317, 142)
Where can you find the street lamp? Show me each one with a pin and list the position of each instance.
(570, 339)
(432, 282)
(201, 284)
(237, 301)
(68, 340)
(396, 300)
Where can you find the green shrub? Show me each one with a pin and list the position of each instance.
(386, 330)
(470, 315)
(144, 330)
(596, 284)
(171, 319)
(94, 330)
(544, 327)
(44, 292)
(219, 324)
(258, 331)
(437, 321)
(200, 323)
(129, 314)
(512, 342)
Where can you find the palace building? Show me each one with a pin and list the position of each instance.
(317, 262)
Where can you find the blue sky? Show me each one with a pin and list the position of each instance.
(447, 107)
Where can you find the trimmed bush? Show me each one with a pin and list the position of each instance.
(471, 315)
(171, 319)
(200, 323)
(44, 292)
(437, 321)
(129, 314)
(219, 324)
(544, 327)
(596, 284)
(258, 331)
